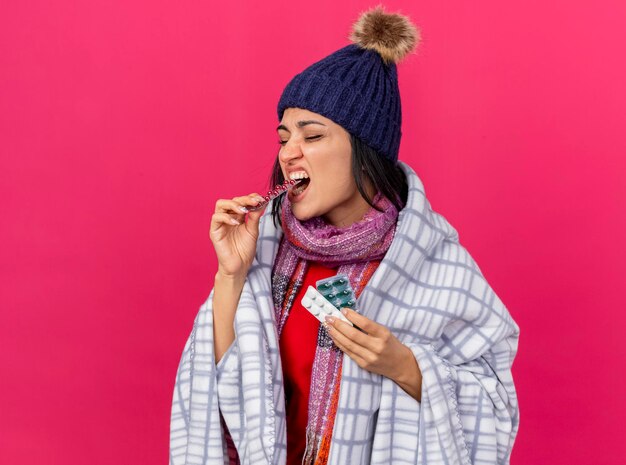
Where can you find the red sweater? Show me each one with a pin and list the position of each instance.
(298, 342)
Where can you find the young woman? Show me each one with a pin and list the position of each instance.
(425, 376)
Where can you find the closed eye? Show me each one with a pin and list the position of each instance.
(310, 138)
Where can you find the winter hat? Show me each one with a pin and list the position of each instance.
(357, 86)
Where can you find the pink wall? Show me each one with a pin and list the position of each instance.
(121, 123)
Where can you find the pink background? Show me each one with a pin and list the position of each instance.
(123, 122)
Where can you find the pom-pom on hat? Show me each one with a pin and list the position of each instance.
(357, 86)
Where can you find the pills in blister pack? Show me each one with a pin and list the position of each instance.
(279, 189)
(337, 290)
(319, 307)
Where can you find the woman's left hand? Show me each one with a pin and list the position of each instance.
(376, 350)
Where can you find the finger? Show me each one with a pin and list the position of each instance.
(261, 206)
(369, 326)
(254, 216)
(220, 219)
(231, 206)
(353, 333)
(250, 200)
(349, 344)
(238, 204)
(254, 200)
(358, 359)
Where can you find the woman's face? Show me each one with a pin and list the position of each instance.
(316, 148)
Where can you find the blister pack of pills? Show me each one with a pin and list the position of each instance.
(319, 307)
(278, 190)
(337, 290)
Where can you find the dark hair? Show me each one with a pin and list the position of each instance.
(386, 176)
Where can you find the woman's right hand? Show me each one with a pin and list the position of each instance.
(234, 238)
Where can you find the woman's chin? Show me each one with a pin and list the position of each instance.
(301, 214)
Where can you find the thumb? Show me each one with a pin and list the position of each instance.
(253, 221)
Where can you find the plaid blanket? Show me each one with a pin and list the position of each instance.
(431, 294)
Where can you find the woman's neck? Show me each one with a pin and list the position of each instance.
(354, 210)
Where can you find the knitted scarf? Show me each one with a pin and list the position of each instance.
(356, 251)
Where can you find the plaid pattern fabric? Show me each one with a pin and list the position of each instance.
(431, 294)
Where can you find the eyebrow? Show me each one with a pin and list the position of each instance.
(300, 124)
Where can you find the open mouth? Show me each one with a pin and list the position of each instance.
(303, 181)
(300, 187)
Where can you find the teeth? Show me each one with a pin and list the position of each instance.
(298, 175)
(298, 189)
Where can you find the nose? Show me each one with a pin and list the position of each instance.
(290, 151)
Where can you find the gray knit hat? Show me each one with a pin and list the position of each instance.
(357, 86)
